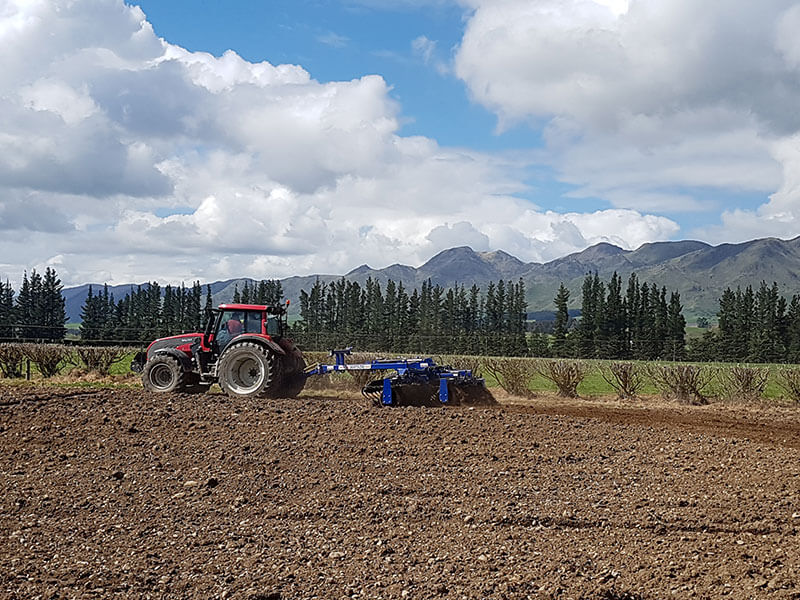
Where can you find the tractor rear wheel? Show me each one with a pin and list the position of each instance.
(293, 377)
(163, 374)
(247, 369)
(294, 383)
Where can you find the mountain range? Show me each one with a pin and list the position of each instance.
(699, 271)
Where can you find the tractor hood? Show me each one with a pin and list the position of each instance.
(180, 342)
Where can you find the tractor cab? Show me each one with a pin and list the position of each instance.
(229, 321)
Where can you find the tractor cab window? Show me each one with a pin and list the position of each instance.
(252, 323)
(230, 325)
(273, 325)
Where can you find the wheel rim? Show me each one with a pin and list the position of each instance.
(161, 376)
(246, 374)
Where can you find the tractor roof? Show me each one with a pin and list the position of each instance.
(254, 307)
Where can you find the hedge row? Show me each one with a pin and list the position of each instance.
(53, 359)
(687, 383)
(692, 384)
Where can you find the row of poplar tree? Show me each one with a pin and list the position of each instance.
(639, 323)
(149, 312)
(432, 319)
(38, 311)
(754, 326)
(144, 313)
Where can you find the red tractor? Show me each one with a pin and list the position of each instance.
(243, 348)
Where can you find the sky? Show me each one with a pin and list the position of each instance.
(183, 140)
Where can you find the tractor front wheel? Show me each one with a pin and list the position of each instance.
(163, 374)
(247, 369)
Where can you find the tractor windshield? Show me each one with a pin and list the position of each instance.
(235, 322)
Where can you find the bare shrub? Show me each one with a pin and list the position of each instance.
(360, 378)
(744, 383)
(320, 382)
(355, 379)
(11, 357)
(684, 383)
(100, 359)
(512, 374)
(565, 374)
(626, 378)
(50, 359)
(789, 382)
(314, 357)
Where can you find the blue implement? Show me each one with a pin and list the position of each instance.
(417, 374)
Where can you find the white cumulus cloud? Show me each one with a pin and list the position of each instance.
(645, 102)
(126, 158)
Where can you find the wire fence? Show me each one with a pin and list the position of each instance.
(416, 344)
(478, 343)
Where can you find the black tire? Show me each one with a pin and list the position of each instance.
(163, 374)
(247, 369)
(293, 378)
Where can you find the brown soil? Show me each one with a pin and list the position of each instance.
(122, 493)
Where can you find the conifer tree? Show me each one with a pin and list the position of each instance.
(766, 342)
(24, 309)
(793, 330)
(402, 318)
(389, 316)
(245, 295)
(54, 312)
(194, 314)
(209, 298)
(643, 325)
(561, 322)
(660, 331)
(169, 311)
(631, 310)
(90, 317)
(615, 319)
(676, 329)
(109, 327)
(7, 317)
(585, 331)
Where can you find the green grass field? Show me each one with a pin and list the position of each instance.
(595, 385)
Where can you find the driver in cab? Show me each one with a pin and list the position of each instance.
(230, 328)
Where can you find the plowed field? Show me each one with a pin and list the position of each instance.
(127, 494)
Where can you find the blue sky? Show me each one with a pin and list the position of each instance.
(330, 134)
(339, 41)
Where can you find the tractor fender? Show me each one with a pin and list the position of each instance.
(184, 361)
(258, 339)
